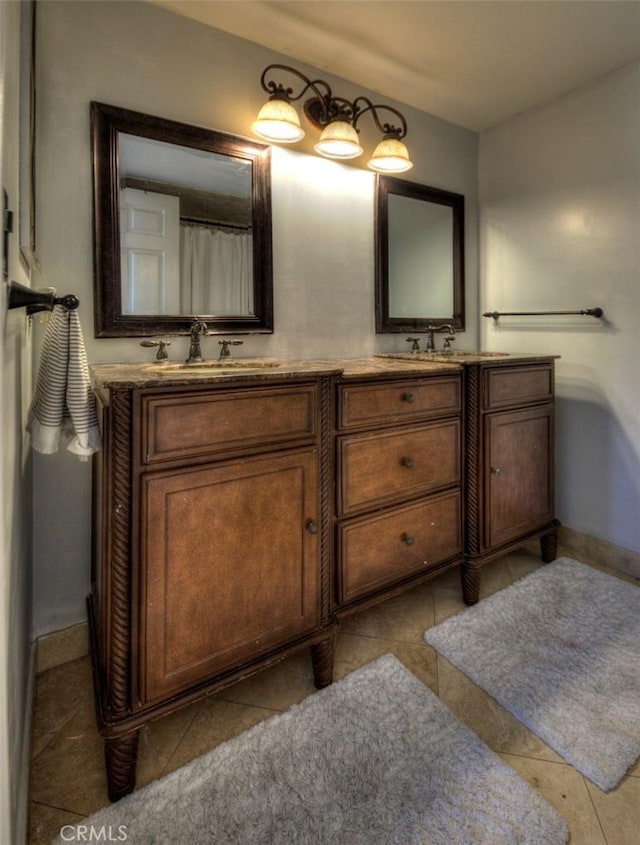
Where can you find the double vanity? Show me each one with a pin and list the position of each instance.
(241, 510)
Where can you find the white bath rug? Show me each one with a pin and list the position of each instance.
(374, 759)
(559, 649)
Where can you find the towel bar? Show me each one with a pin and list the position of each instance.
(589, 312)
(39, 300)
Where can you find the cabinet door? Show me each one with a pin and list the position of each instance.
(518, 473)
(230, 566)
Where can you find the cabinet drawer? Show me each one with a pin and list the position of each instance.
(382, 549)
(379, 469)
(193, 424)
(413, 399)
(511, 386)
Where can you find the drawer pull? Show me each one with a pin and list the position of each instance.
(408, 397)
(407, 462)
(312, 527)
(496, 471)
(408, 539)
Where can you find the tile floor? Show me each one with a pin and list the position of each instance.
(68, 780)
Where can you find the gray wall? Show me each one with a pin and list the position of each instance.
(560, 200)
(15, 476)
(142, 57)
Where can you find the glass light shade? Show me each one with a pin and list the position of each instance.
(278, 121)
(390, 156)
(339, 140)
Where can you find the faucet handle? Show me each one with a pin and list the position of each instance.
(447, 341)
(225, 344)
(162, 344)
(415, 343)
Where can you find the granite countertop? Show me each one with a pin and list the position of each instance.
(352, 368)
(149, 374)
(175, 373)
(462, 357)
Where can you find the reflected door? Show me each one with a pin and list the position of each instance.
(150, 252)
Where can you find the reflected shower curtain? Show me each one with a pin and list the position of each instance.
(216, 270)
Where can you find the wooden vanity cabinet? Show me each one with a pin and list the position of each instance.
(211, 551)
(236, 520)
(509, 463)
(398, 485)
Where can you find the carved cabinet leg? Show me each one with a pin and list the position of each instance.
(470, 573)
(549, 546)
(322, 661)
(121, 755)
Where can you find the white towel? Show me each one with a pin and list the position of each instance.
(63, 405)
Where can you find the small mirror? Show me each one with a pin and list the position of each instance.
(419, 256)
(182, 227)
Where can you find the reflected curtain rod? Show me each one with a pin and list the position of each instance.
(589, 312)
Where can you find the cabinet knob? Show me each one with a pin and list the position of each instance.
(312, 527)
(407, 462)
(496, 471)
(408, 397)
(408, 539)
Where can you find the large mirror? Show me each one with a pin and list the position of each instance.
(419, 256)
(182, 227)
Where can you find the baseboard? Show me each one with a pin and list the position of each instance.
(62, 646)
(593, 550)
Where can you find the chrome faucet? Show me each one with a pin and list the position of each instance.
(198, 328)
(430, 345)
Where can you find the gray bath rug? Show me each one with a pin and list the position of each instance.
(560, 650)
(374, 759)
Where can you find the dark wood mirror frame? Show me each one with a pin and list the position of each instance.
(385, 323)
(106, 123)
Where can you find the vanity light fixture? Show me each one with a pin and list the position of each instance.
(336, 117)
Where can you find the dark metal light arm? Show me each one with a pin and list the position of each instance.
(385, 128)
(325, 107)
(319, 87)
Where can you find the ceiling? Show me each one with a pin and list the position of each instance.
(472, 63)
